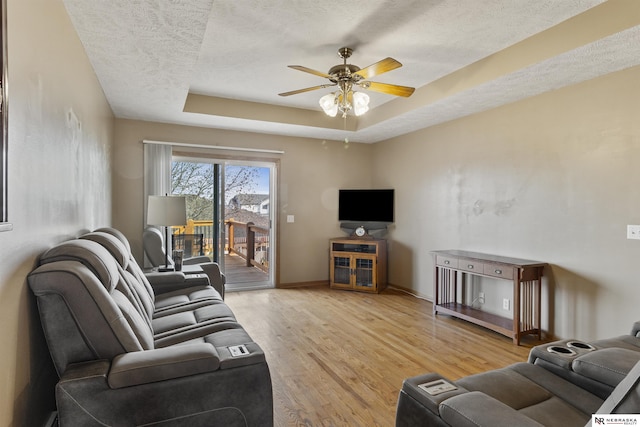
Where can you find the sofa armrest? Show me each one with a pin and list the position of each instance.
(635, 329)
(142, 367)
(476, 409)
(200, 259)
(168, 281)
(413, 388)
(216, 278)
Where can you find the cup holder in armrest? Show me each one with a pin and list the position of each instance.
(580, 345)
(565, 351)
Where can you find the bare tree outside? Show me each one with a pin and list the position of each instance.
(247, 213)
(195, 181)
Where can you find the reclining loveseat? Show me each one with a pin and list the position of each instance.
(564, 384)
(127, 355)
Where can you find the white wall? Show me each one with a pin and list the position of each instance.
(554, 178)
(60, 141)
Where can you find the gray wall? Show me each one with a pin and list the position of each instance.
(60, 133)
(554, 178)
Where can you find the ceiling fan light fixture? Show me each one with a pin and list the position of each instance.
(344, 101)
(329, 104)
(346, 76)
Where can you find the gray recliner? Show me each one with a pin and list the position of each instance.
(564, 383)
(519, 395)
(597, 366)
(114, 366)
(154, 253)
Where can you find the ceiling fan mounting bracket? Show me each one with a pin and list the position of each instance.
(344, 72)
(345, 52)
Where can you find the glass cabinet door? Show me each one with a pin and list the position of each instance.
(341, 270)
(364, 271)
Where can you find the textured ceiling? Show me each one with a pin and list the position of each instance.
(222, 63)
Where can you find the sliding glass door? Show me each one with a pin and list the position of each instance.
(230, 204)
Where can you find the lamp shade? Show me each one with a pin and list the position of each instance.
(360, 103)
(329, 104)
(167, 210)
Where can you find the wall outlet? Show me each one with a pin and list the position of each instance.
(481, 297)
(506, 303)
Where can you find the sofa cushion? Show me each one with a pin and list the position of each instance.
(91, 254)
(80, 319)
(507, 386)
(478, 409)
(116, 248)
(536, 393)
(576, 396)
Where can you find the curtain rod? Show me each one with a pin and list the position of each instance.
(212, 147)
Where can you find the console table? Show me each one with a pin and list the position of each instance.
(450, 265)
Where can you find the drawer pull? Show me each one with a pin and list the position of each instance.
(447, 262)
(497, 271)
(470, 266)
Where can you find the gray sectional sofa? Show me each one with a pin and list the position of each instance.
(129, 355)
(563, 384)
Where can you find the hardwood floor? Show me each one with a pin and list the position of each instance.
(338, 358)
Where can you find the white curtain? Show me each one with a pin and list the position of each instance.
(157, 176)
(157, 172)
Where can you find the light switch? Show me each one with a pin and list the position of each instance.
(633, 231)
(291, 218)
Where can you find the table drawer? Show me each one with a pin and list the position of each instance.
(446, 261)
(497, 270)
(471, 266)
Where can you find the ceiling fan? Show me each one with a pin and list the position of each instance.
(346, 77)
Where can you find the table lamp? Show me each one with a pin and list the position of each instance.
(166, 211)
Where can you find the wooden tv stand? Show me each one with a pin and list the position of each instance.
(526, 276)
(358, 264)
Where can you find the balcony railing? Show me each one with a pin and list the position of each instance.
(244, 239)
(248, 241)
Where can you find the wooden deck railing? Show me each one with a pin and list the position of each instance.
(247, 240)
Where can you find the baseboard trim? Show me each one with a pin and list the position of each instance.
(302, 284)
(410, 291)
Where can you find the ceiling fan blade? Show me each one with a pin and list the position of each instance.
(396, 90)
(378, 68)
(308, 89)
(310, 71)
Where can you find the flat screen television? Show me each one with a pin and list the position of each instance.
(365, 205)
